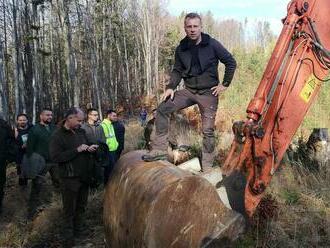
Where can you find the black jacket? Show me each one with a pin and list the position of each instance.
(119, 129)
(63, 150)
(8, 146)
(210, 53)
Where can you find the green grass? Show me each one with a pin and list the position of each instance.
(291, 197)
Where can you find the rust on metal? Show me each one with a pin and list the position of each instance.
(156, 204)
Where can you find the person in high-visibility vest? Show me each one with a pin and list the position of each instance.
(112, 143)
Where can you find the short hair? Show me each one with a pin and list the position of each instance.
(20, 115)
(192, 15)
(46, 109)
(72, 111)
(110, 111)
(90, 110)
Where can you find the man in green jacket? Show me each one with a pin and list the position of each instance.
(37, 152)
(68, 147)
(111, 142)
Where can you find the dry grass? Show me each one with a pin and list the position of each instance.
(302, 198)
(133, 136)
(303, 217)
(45, 229)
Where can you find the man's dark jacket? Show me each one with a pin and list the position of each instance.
(210, 52)
(38, 140)
(63, 150)
(94, 133)
(119, 129)
(8, 147)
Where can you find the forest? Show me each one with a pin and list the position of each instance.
(104, 53)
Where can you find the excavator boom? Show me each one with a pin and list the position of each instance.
(293, 77)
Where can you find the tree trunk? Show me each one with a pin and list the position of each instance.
(71, 59)
(3, 91)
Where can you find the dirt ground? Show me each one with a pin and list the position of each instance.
(44, 229)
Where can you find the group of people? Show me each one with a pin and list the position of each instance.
(78, 153)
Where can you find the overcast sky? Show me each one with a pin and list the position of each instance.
(270, 10)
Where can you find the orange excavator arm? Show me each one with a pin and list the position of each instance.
(293, 77)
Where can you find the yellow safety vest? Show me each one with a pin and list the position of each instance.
(110, 136)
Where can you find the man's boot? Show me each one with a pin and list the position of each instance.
(155, 155)
(158, 149)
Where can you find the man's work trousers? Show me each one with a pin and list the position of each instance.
(74, 199)
(207, 104)
(108, 169)
(36, 198)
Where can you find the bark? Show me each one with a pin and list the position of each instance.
(3, 91)
(71, 59)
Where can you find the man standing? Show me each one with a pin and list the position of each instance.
(7, 140)
(68, 147)
(111, 142)
(119, 129)
(196, 62)
(92, 127)
(37, 152)
(38, 142)
(95, 135)
(21, 135)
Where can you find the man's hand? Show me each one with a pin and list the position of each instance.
(216, 90)
(92, 148)
(168, 93)
(82, 148)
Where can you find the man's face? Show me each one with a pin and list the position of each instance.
(113, 117)
(46, 116)
(75, 121)
(193, 28)
(22, 121)
(93, 116)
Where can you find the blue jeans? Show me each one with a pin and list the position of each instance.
(110, 167)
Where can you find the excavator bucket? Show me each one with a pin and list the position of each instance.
(157, 204)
